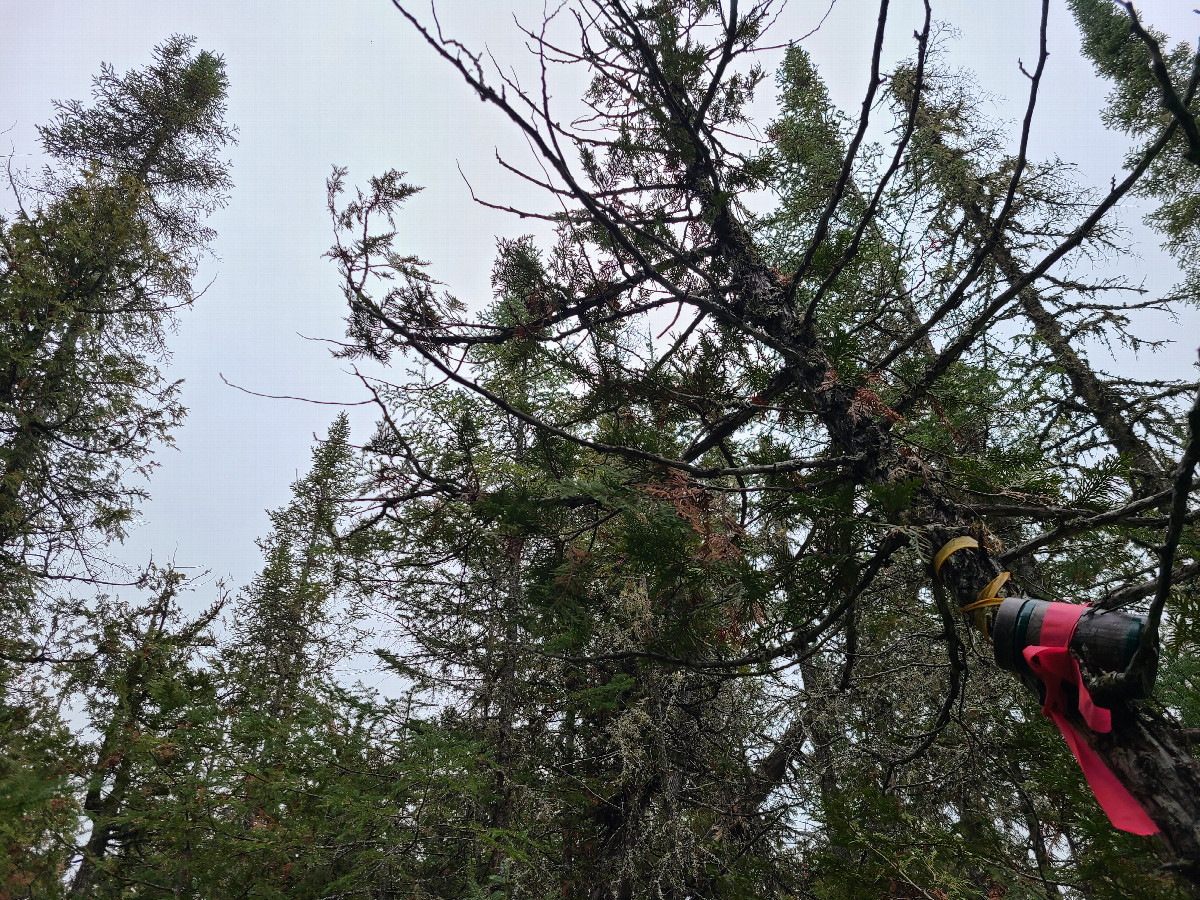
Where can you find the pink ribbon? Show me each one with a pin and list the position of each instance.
(1053, 663)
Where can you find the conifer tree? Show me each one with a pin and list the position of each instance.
(212, 766)
(143, 685)
(93, 265)
(302, 786)
(659, 525)
(290, 627)
(96, 258)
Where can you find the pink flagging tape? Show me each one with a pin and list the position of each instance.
(1054, 665)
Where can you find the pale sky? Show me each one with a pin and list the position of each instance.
(314, 84)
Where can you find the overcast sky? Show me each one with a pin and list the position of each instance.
(348, 83)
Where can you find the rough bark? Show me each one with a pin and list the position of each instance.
(1155, 762)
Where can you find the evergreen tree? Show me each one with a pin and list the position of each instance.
(291, 627)
(93, 266)
(213, 769)
(143, 685)
(659, 525)
(646, 544)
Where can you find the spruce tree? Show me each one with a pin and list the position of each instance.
(659, 525)
(93, 265)
(94, 262)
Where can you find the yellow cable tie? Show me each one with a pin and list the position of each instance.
(952, 546)
(992, 586)
(980, 604)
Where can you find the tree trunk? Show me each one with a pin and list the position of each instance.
(1153, 762)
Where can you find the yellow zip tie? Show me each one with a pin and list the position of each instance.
(989, 592)
(952, 546)
(980, 604)
(987, 597)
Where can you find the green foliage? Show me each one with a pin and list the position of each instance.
(38, 808)
(641, 544)
(285, 629)
(733, 680)
(90, 277)
(1136, 106)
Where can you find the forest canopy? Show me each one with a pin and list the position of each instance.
(772, 530)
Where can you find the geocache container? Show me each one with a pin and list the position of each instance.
(1104, 639)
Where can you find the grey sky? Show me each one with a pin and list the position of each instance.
(313, 84)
